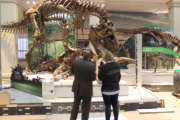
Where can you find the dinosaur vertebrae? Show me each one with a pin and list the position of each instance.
(43, 12)
(82, 7)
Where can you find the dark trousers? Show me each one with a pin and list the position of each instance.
(86, 102)
(108, 101)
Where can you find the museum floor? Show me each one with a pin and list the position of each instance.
(170, 102)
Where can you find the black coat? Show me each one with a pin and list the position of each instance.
(84, 75)
(110, 76)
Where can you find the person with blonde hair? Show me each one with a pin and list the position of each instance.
(109, 74)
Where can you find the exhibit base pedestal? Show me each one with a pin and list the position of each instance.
(63, 89)
(60, 95)
(137, 98)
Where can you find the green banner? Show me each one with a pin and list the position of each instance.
(161, 50)
(177, 70)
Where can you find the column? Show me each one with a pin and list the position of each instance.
(8, 13)
(174, 18)
(0, 53)
(139, 71)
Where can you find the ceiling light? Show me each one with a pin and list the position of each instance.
(34, 2)
(28, 2)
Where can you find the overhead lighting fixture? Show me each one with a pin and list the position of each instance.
(28, 2)
(34, 2)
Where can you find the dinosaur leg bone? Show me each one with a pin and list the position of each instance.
(35, 24)
(35, 44)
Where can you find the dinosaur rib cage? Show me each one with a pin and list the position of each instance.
(47, 8)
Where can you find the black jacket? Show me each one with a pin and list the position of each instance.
(84, 75)
(110, 76)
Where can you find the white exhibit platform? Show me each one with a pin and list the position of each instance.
(61, 92)
(135, 95)
(63, 89)
(137, 98)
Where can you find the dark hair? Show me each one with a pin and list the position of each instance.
(87, 54)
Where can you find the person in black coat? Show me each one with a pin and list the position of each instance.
(84, 74)
(109, 74)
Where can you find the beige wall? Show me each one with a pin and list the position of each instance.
(9, 12)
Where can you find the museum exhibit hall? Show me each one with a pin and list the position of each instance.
(73, 59)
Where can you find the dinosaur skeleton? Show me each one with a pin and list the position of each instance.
(38, 14)
(102, 37)
(157, 35)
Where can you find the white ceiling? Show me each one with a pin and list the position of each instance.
(137, 5)
(125, 5)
